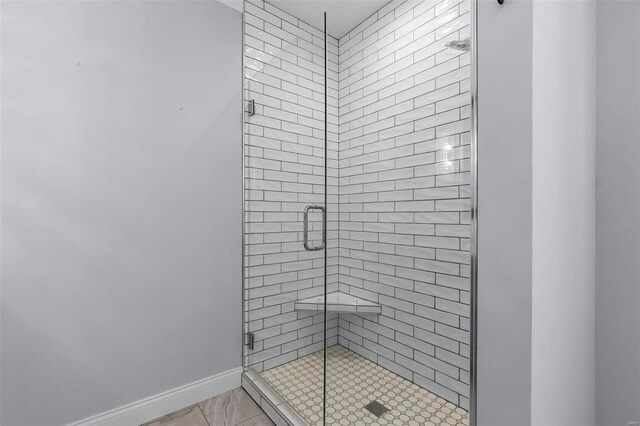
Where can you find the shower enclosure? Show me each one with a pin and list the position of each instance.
(358, 204)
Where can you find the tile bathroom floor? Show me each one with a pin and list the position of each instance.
(233, 408)
(353, 382)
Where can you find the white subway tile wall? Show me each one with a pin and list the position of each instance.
(398, 188)
(404, 161)
(284, 172)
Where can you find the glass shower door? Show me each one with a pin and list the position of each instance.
(290, 214)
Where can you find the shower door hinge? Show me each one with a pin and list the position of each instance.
(251, 340)
(251, 107)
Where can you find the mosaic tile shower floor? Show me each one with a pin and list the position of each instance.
(352, 382)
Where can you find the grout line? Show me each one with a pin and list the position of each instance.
(246, 420)
(203, 415)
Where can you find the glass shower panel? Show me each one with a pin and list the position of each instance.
(357, 156)
(404, 218)
(290, 207)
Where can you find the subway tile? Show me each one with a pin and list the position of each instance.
(399, 168)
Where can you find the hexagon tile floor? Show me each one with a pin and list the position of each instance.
(353, 382)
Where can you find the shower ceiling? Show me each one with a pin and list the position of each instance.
(342, 15)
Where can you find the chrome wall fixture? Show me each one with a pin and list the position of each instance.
(462, 45)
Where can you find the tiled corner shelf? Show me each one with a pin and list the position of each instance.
(338, 302)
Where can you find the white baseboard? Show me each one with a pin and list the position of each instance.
(164, 403)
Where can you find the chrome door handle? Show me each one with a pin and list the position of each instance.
(306, 228)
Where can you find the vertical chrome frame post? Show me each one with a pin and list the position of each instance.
(473, 376)
(243, 165)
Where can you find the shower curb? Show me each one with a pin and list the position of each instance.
(274, 406)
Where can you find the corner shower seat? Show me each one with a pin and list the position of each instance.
(338, 302)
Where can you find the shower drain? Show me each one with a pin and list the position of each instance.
(375, 408)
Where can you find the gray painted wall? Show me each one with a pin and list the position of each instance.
(617, 213)
(563, 291)
(505, 212)
(121, 143)
(536, 198)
